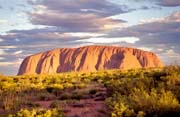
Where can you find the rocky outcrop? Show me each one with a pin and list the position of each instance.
(87, 59)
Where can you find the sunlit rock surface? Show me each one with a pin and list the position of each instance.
(87, 59)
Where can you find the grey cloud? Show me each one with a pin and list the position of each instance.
(169, 3)
(38, 39)
(167, 28)
(144, 8)
(154, 34)
(101, 8)
(88, 16)
(77, 15)
(164, 3)
(31, 42)
(154, 7)
(75, 22)
(39, 30)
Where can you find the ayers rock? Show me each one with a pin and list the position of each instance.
(87, 59)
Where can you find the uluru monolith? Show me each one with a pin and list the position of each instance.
(88, 59)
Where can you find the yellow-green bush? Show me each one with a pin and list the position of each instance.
(38, 113)
(150, 93)
(135, 92)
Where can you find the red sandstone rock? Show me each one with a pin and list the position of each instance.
(88, 58)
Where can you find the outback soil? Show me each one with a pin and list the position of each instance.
(91, 104)
(88, 101)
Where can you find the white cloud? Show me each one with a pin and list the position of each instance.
(160, 49)
(170, 57)
(83, 44)
(18, 52)
(17, 40)
(85, 34)
(2, 58)
(13, 63)
(171, 53)
(145, 48)
(3, 21)
(7, 63)
(40, 9)
(150, 20)
(1, 40)
(2, 52)
(175, 17)
(110, 40)
(8, 47)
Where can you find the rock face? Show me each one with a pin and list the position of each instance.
(87, 59)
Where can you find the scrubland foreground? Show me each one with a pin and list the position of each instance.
(116, 93)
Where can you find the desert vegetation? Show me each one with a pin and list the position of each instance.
(116, 93)
(145, 93)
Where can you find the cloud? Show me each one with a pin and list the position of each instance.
(45, 34)
(12, 63)
(157, 34)
(18, 52)
(149, 7)
(65, 21)
(2, 52)
(10, 67)
(174, 17)
(34, 35)
(166, 30)
(147, 33)
(3, 21)
(21, 43)
(171, 53)
(169, 3)
(77, 16)
(167, 27)
(86, 34)
(7, 63)
(100, 8)
(169, 56)
(7, 47)
(2, 58)
(145, 48)
(109, 40)
(74, 23)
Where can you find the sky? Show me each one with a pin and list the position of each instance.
(32, 26)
